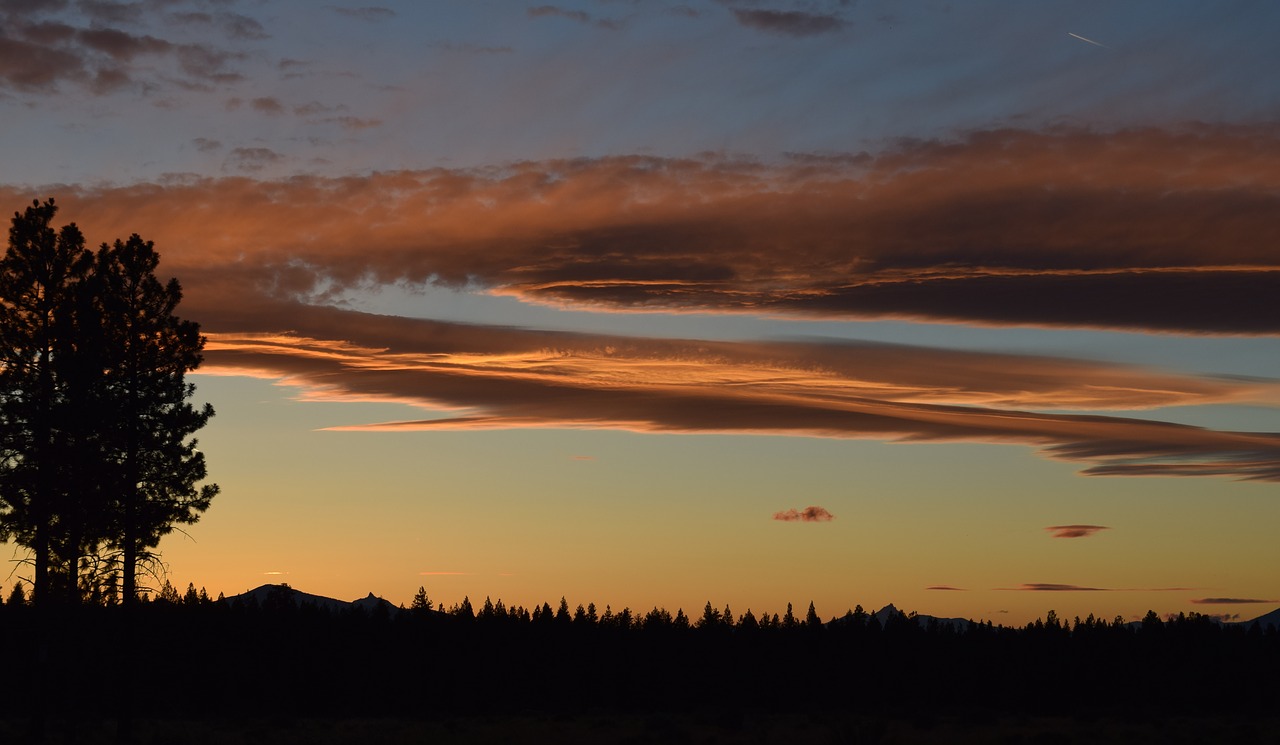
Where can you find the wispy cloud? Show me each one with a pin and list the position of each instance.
(810, 514)
(1232, 601)
(471, 48)
(365, 13)
(1051, 587)
(543, 11)
(252, 159)
(946, 587)
(1074, 531)
(503, 378)
(206, 145)
(789, 22)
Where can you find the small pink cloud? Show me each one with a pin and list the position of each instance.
(1054, 587)
(1074, 531)
(810, 514)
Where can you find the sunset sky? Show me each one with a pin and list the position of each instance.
(971, 307)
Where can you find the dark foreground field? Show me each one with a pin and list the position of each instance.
(707, 728)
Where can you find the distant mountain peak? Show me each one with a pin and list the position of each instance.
(273, 594)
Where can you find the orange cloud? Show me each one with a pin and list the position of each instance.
(477, 377)
(1168, 230)
(810, 514)
(1074, 531)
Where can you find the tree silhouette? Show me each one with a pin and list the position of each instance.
(95, 427)
(40, 276)
(147, 351)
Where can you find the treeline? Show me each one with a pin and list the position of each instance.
(238, 658)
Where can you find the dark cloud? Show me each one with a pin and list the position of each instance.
(111, 12)
(468, 48)
(107, 79)
(946, 587)
(206, 145)
(120, 45)
(192, 18)
(789, 22)
(352, 123)
(541, 11)
(1074, 531)
(252, 159)
(368, 13)
(810, 514)
(28, 66)
(243, 27)
(27, 8)
(1049, 587)
(1232, 601)
(48, 33)
(42, 56)
(208, 63)
(267, 105)
(315, 108)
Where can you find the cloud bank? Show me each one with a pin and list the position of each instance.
(1150, 230)
(1154, 230)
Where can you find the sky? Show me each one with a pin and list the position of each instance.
(966, 307)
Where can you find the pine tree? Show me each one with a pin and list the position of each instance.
(421, 603)
(147, 352)
(811, 618)
(40, 276)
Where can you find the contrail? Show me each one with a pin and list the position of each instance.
(1091, 41)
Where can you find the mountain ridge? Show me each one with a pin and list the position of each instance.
(276, 594)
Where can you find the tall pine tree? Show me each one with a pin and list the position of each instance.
(40, 278)
(154, 466)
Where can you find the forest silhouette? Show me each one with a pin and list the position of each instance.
(238, 657)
